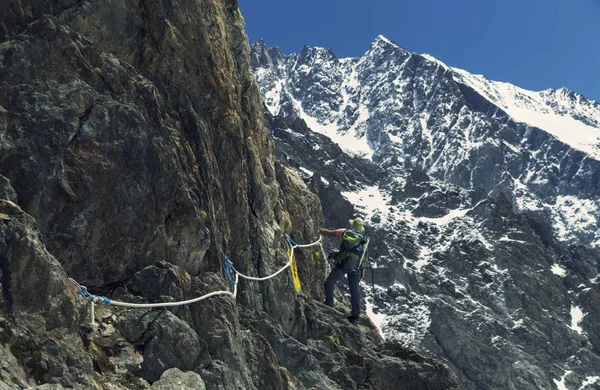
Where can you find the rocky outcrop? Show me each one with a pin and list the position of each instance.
(175, 378)
(167, 342)
(133, 158)
(39, 329)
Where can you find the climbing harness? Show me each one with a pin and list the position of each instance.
(229, 270)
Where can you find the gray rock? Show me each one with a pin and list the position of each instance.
(167, 342)
(296, 358)
(162, 279)
(174, 378)
(49, 387)
(108, 330)
(128, 360)
(6, 191)
(42, 304)
(329, 352)
(219, 376)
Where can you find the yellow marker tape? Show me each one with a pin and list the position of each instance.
(294, 269)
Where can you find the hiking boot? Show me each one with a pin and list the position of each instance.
(353, 318)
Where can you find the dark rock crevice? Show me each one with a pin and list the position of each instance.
(71, 6)
(145, 33)
(82, 120)
(5, 282)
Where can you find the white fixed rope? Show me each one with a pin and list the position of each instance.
(99, 299)
(280, 270)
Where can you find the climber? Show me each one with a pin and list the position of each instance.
(348, 261)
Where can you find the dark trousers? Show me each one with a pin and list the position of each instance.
(353, 280)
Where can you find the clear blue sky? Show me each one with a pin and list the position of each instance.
(535, 44)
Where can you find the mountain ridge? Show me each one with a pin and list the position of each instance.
(377, 103)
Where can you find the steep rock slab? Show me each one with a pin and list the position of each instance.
(98, 172)
(324, 350)
(40, 314)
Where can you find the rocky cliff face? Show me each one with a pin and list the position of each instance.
(481, 200)
(133, 157)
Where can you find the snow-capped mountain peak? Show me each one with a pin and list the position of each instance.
(383, 41)
(383, 47)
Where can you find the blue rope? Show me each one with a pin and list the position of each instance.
(97, 299)
(229, 270)
(83, 291)
(292, 242)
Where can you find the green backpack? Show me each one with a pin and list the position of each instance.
(351, 250)
(351, 240)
